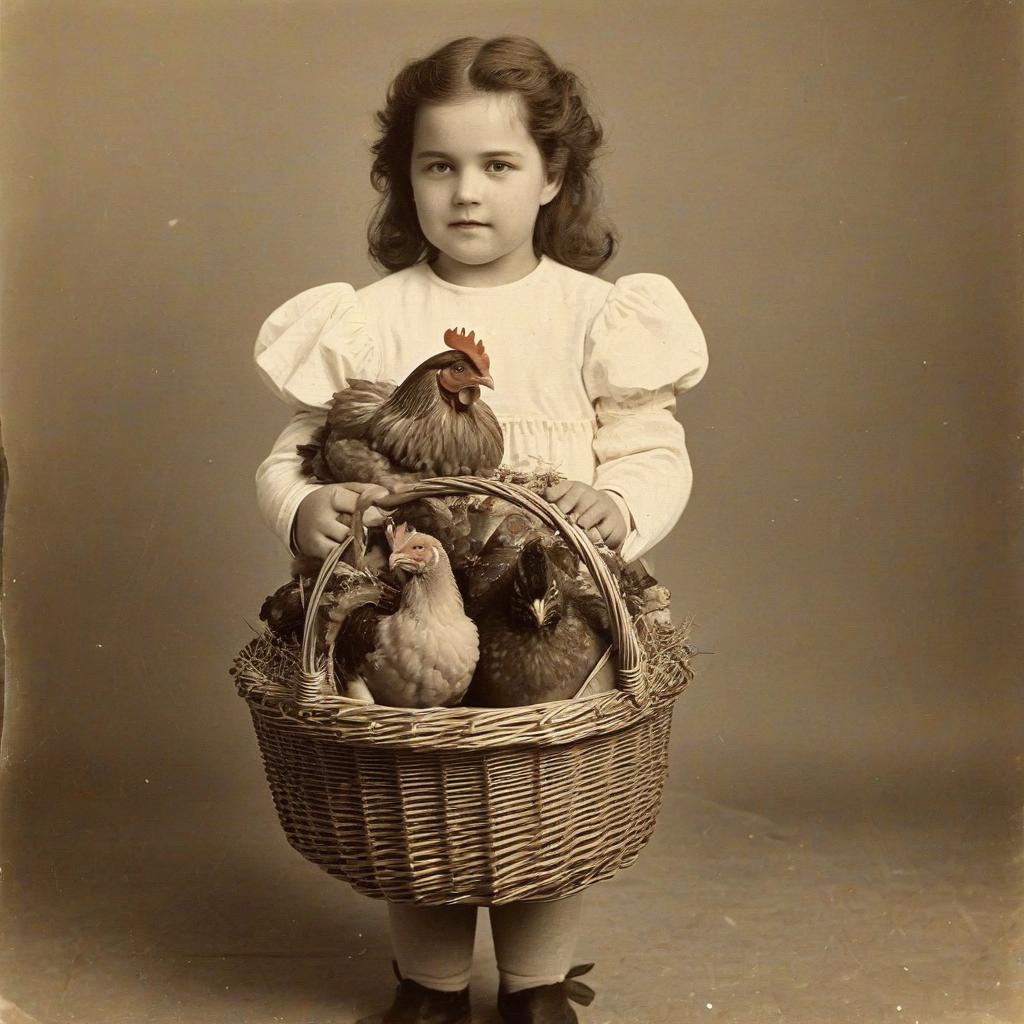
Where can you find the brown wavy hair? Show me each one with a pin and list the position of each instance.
(570, 228)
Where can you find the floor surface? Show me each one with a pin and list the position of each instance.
(727, 917)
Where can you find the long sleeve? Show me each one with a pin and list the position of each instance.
(644, 348)
(280, 483)
(307, 350)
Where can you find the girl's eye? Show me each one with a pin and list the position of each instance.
(500, 166)
(438, 166)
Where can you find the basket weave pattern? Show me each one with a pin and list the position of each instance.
(464, 805)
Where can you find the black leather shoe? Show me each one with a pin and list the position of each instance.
(547, 1004)
(416, 1004)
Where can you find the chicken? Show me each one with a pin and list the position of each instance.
(432, 424)
(483, 538)
(284, 611)
(540, 637)
(422, 654)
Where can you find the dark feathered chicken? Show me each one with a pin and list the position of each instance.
(484, 539)
(540, 636)
(284, 611)
(432, 424)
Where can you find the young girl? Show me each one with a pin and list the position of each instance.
(488, 220)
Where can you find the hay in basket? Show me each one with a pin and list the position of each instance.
(471, 805)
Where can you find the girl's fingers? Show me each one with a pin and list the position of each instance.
(594, 515)
(583, 504)
(382, 491)
(343, 499)
(336, 532)
(595, 535)
(568, 501)
(555, 491)
(613, 530)
(343, 496)
(321, 547)
(587, 512)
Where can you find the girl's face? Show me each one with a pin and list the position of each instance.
(479, 181)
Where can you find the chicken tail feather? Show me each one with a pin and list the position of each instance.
(340, 605)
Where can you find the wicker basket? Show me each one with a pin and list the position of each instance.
(473, 805)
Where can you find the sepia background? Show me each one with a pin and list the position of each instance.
(836, 189)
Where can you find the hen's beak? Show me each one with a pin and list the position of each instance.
(401, 561)
(487, 381)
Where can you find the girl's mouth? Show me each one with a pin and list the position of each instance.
(467, 224)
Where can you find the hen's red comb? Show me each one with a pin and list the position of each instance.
(458, 339)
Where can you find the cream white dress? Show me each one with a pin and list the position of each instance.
(586, 374)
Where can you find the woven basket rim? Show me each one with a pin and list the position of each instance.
(473, 728)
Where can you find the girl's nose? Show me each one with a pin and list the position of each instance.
(467, 189)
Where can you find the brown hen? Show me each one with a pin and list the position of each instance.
(432, 424)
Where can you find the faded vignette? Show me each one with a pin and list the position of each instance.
(836, 191)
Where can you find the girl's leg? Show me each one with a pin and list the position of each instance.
(534, 942)
(433, 945)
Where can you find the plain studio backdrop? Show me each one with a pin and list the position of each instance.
(834, 187)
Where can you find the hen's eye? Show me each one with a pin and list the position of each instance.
(459, 368)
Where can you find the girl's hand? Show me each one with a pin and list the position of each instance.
(591, 510)
(324, 518)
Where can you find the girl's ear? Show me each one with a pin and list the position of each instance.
(551, 188)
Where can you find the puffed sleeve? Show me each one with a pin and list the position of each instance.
(643, 349)
(312, 345)
(306, 350)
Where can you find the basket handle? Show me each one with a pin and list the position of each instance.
(624, 636)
